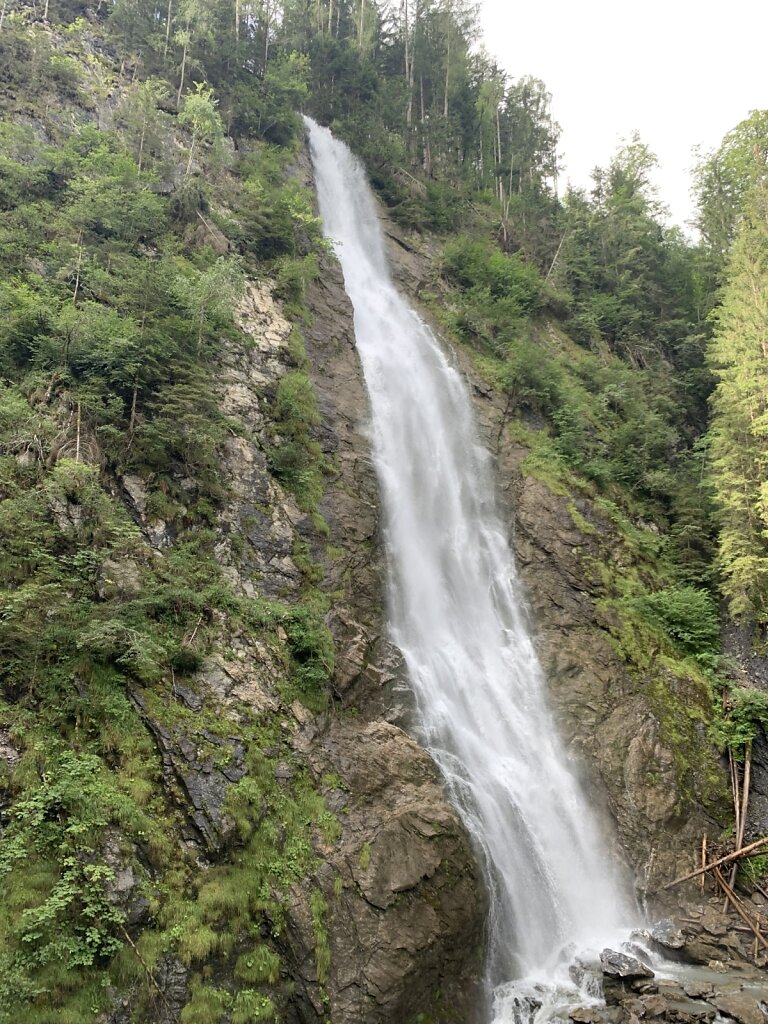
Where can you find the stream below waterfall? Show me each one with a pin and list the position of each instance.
(456, 613)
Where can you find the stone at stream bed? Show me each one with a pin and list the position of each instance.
(621, 966)
(666, 936)
(741, 1007)
(698, 989)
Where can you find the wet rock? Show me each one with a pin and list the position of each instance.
(667, 935)
(620, 965)
(654, 1005)
(740, 1007)
(698, 989)
(667, 939)
(587, 1015)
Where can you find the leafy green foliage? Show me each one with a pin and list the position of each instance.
(112, 310)
(493, 277)
(689, 616)
(297, 459)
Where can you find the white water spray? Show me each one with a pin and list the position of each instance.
(456, 616)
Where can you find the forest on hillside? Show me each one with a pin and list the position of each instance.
(147, 174)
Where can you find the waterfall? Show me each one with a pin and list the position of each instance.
(456, 615)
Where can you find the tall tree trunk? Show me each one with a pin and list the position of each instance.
(362, 23)
(189, 159)
(167, 29)
(410, 52)
(237, 21)
(132, 423)
(405, 37)
(2, 14)
(183, 69)
(447, 73)
(141, 144)
(426, 149)
(497, 170)
(79, 267)
(267, 14)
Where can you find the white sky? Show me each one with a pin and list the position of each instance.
(681, 72)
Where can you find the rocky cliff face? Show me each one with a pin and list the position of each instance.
(375, 910)
(402, 904)
(641, 735)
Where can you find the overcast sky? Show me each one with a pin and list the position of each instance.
(681, 72)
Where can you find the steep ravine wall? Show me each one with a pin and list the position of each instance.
(404, 907)
(640, 737)
(381, 905)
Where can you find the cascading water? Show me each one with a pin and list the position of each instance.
(456, 617)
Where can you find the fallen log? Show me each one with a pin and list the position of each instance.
(735, 902)
(718, 863)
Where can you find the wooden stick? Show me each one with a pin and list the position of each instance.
(150, 976)
(717, 863)
(744, 806)
(703, 858)
(735, 792)
(734, 901)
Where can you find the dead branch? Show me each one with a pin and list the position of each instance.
(737, 855)
(735, 902)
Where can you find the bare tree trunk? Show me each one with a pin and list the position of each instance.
(447, 74)
(267, 13)
(132, 424)
(409, 69)
(189, 160)
(79, 267)
(183, 68)
(237, 20)
(500, 180)
(77, 442)
(405, 38)
(742, 811)
(426, 151)
(167, 29)
(362, 24)
(330, 17)
(3, 13)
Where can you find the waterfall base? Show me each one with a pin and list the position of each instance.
(635, 982)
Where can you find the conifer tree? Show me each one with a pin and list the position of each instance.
(739, 432)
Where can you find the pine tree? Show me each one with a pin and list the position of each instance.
(739, 432)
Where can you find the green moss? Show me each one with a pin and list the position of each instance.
(582, 524)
